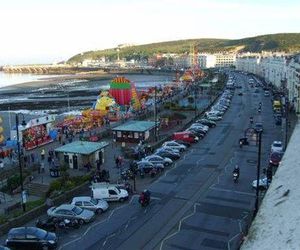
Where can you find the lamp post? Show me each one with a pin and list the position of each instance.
(259, 133)
(195, 101)
(155, 113)
(20, 164)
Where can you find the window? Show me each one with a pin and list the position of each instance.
(78, 203)
(112, 192)
(87, 204)
(31, 237)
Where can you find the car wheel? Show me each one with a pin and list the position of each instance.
(121, 200)
(45, 247)
(166, 164)
(181, 150)
(213, 125)
(99, 211)
(81, 222)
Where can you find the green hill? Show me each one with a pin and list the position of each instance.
(288, 42)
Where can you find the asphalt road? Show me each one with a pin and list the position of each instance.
(196, 204)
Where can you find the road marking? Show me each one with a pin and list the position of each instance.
(231, 191)
(179, 226)
(110, 236)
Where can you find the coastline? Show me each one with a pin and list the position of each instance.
(44, 82)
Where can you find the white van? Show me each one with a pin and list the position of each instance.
(108, 192)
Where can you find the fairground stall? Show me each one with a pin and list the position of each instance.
(134, 131)
(81, 154)
(36, 132)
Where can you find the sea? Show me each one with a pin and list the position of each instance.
(10, 80)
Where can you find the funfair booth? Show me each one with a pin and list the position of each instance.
(37, 132)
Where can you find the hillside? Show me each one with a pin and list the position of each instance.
(289, 42)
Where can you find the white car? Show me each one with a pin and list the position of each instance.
(262, 184)
(199, 125)
(214, 117)
(158, 159)
(277, 146)
(174, 145)
(86, 202)
(166, 148)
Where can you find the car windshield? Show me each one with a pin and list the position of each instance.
(277, 144)
(77, 210)
(94, 201)
(40, 233)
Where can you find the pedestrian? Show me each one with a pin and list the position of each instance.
(43, 154)
(117, 162)
(32, 157)
(98, 164)
(120, 161)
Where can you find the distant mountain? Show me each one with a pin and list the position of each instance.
(288, 42)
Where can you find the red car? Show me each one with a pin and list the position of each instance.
(275, 158)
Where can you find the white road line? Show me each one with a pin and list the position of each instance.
(231, 191)
(110, 236)
(179, 226)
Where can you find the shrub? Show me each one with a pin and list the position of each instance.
(13, 182)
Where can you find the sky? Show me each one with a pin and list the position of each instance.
(47, 31)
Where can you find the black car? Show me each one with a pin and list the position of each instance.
(275, 158)
(31, 238)
(200, 132)
(168, 154)
(206, 122)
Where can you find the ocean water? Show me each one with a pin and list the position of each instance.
(12, 79)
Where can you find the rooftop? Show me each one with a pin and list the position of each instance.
(276, 225)
(135, 126)
(82, 147)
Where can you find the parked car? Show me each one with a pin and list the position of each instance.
(199, 125)
(258, 127)
(156, 159)
(197, 132)
(266, 93)
(240, 93)
(4, 248)
(173, 156)
(174, 145)
(207, 122)
(146, 166)
(187, 144)
(165, 148)
(87, 202)
(214, 117)
(262, 184)
(31, 238)
(185, 136)
(108, 192)
(69, 211)
(277, 146)
(275, 158)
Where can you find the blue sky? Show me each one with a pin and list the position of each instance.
(42, 31)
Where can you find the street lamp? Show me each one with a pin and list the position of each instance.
(195, 103)
(155, 113)
(19, 157)
(259, 133)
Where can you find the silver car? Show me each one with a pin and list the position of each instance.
(86, 202)
(69, 211)
(158, 159)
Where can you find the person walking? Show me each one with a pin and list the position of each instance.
(117, 162)
(43, 154)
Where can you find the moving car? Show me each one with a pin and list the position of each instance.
(174, 145)
(258, 127)
(156, 159)
(69, 211)
(87, 202)
(277, 146)
(31, 238)
(262, 184)
(275, 158)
